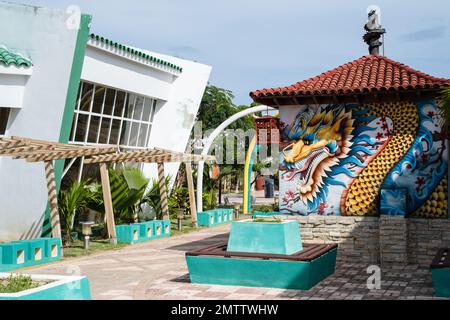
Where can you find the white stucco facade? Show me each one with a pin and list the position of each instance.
(42, 36)
(37, 98)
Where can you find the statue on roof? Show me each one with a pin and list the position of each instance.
(374, 31)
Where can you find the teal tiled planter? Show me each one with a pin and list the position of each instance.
(60, 288)
(298, 275)
(265, 237)
(440, 273)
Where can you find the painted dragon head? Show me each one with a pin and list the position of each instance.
(320, 138)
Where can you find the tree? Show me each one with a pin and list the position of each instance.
(445, 105)
(71, 203)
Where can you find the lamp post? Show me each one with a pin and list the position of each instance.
(180, 217)
(87, 231)
(237, 207)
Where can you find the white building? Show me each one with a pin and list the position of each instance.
(62, 83)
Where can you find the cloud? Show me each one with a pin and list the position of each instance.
(425, 34)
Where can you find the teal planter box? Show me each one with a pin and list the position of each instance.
(52, 249)
(129, 233)
(230, 213)
(26, 253)
(440, 273)
(265, 237)
(218, 216)
(58, 288)
(146, 230)
(205, 219)
(142, 232)
(261, 272)
(36, 250)
(166, 228)
(15, 253)
(214, 217)
(158, 231)
(258, 214)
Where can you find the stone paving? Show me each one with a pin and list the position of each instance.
(157, 270)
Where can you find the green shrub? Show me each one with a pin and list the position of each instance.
(17, 283)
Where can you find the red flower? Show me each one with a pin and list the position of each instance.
(379, 136)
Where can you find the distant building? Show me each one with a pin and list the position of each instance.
(62, 83)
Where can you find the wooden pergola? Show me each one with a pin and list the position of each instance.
(32, 150)
(155, 155)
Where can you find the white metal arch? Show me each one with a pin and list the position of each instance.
(209, 142)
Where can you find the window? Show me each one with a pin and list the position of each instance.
(108, 116)
(4, 116)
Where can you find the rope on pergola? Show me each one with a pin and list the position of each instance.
(33, 150)
(154, 155)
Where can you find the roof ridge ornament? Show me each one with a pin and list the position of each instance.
(374, 30)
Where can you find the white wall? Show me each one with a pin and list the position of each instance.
(175, 119)
(41, 35)
(111, 70)
(181, 94)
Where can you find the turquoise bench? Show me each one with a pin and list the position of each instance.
(25, 253)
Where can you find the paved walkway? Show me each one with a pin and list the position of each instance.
(157, 270)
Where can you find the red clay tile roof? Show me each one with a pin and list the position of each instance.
(370, 73)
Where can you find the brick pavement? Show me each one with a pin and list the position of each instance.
(157, 270)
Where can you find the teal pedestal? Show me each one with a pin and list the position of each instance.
(297, 275)
(265, 237)
(144, 231)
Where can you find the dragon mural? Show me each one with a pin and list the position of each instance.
(337, 159)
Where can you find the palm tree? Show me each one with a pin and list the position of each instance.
(71, 203)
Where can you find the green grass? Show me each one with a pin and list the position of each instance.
(17, 283)
(95, 245)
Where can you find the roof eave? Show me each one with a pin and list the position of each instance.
(363, 97)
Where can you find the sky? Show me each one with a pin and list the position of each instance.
(255, 44)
